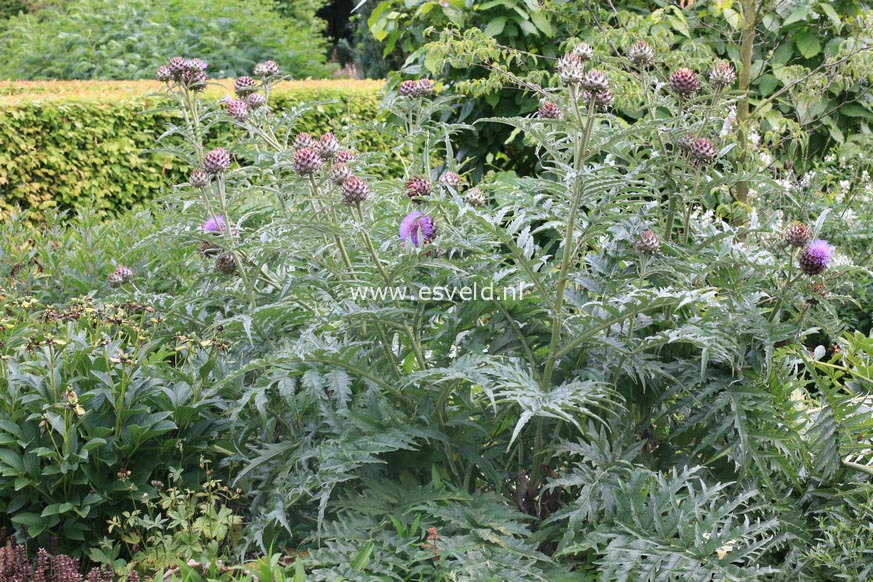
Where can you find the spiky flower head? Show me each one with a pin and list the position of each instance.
(194, 79)
(266, 69)
(424, 87)
(417, 228)
(549, 110)
(595, 81)
(648, 242)
(408, 88)
(702, 151)
(685, 141)
(216, 161)
(177, 67)
(584, 51)
(571, 69)
(816, 257)
(256, 101)
(328, 145)
(244, 86)
(602, 99)
(237, 108)
(125, 273)
(303, 140)
(355, 190)
(723, 74)
(195, 65)
(797, 234)
(450, 179)
(226, 264)
(163, 74)
(345, 156)
(115, 280)
(641, 55)
(199, 178)
(339, 173)
(684, 82)
(474, 197)
(213, 224)
(416, 188)
(307, 161)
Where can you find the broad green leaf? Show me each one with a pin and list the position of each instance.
(808, 44)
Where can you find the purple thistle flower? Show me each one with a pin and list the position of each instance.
(816, 258)
(417, 228)
(214, 224)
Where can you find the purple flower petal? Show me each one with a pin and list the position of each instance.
(213, 224)
(417, 228)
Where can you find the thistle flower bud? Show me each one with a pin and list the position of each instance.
(339, 173)
(244, 86)
(641, 55)
(648, 242)
(584, 51)
(474, 197)
(684, 82)
(571, 69)
(355, 190)
(256, 101)
(702, 151)
(266, 69)
(417, 188)
(723, 75)
(450, 179)
(549, 110)
(797, 235)
(345, 156)
(216, 161)
(595, 81)
(307, 161)
(237, 108)
(328, 145)
(226, 264)
(303, 140)
(163, 74)
(199, 178)
(213, 224)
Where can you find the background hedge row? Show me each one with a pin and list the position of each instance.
(64, 144)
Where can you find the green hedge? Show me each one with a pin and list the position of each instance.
(63, 144)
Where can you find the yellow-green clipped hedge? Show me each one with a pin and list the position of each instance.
(66, 143)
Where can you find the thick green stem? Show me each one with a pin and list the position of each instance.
(569, 241)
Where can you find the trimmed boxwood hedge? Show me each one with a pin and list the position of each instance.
(68, 143)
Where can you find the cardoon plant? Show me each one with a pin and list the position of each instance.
(632, 362)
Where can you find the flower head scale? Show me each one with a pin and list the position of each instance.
(214, 224)
(417, 228)
(816, 257)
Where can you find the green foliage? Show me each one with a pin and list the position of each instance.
(180, 523)
(12, 7)
(104, 39)
(97, 396)
(92, 150)
(812, 90)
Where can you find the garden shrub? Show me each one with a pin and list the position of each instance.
(642, 402)
(69, 144)
(108, 39)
